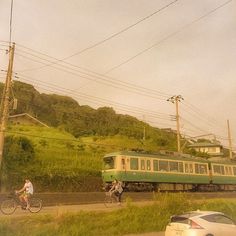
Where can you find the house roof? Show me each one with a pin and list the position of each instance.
(31, 117)
(205, 145)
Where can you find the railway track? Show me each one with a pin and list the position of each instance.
(53, 199)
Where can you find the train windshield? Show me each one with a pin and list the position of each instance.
(109, 162)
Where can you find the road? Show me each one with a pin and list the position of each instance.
(61, 209)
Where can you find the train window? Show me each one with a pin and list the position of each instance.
(123, 163)
(191, 168)
(186, 168)
(109, 162)
(148, 165)
(142, 164)
(163, 166)
(203, 168)
(134, 163)
(234, 170)
(155, 166)
(228, 170)
(181, 167)
(173, 166)
(222, 170)
(200, 168)
(217, 169)
(197, 168)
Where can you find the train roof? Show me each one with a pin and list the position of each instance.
(175, 156)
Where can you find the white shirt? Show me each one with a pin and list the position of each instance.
(29, 187)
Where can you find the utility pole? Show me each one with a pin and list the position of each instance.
(6, 101)
(144, 130)
(230, 141)
(176, 99)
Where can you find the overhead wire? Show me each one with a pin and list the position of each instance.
(115, 34)
(113, 83)
(198, 117)
(198, 128)
(93, 98)
(167, 37)
(200, 113)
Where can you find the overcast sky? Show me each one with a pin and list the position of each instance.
(131, 55)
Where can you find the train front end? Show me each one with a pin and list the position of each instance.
(111, 170)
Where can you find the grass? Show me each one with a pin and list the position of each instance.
(131, 219)
(62, 160)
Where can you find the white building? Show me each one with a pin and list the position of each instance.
(212, 149)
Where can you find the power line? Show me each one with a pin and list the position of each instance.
(197, 128)
(113, 35)
(200, 113)
(118, 84)
(100, 100)
(167, 37)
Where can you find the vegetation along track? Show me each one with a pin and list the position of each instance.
(73, 198)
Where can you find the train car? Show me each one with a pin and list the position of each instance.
(139, 171)
(223, 175)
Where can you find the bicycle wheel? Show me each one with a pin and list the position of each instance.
(35, 205)
(8, 206)
(109, 201)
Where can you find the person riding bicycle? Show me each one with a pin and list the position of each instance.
(27, 192)
(117, 190)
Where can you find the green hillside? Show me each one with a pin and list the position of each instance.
(68, 156)
(66, 114)
(59, 161)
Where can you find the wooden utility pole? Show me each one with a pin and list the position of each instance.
(230, 141)
(176, 100)
(144, 129)
(6, 101)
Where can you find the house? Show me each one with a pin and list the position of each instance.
(25, 118)
(212, 149)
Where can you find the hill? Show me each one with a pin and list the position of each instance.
(57, 161)
(66, 114)
(68, 156)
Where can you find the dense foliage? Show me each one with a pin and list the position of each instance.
(66, 113)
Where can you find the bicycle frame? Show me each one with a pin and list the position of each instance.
(9, 205)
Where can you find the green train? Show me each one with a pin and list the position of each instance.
(165, 172)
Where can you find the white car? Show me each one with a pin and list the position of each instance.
(201, 223)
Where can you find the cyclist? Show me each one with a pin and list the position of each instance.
(117, 190)
(27, 191)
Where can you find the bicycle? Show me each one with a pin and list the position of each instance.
(110, 199)
(9, 205)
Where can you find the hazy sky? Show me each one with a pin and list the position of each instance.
(131, 55)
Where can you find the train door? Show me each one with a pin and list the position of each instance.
(188, 167)
(145, 165)
(143, 169)
(123, 163)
